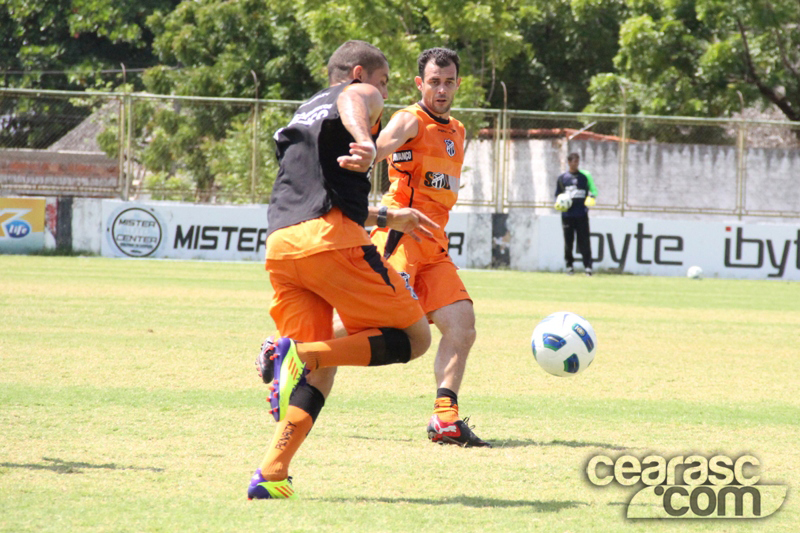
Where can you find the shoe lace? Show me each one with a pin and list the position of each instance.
(469, 428)
(471, 436)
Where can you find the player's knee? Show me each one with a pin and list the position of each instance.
(468, 336)
(420, 342)
(462, 337)
(458, 328)
(419, 337)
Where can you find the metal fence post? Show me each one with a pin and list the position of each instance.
(506, 154)
(254, 162)
(623, 164)
(496, 166)
(121, 182)
(254, 149)
(502, 152)
(128, 146)
(741, 170)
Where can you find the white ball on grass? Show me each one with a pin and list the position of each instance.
(694, 272)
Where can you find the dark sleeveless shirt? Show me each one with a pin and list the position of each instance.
(310, 181)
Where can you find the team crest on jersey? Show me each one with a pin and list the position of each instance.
(437, 180)
(402, 156)
(450, 146)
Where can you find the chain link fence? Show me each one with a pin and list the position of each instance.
(217, 150)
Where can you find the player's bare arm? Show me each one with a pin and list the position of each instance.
(402, 128)
(360, 106)
(408, 220)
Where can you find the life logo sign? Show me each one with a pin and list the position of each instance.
(136, 231)
(13, 224)
(22, 224)
(694, 486)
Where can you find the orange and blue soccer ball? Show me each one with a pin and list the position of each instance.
(564, 344)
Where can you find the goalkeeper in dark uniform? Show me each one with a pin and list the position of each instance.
(575, 193)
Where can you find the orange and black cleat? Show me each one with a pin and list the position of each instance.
(458, 433)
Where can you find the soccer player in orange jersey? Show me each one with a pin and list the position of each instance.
(319, 257)
(425, 146)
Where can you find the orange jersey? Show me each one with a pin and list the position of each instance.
(425, 172)
(332, 231)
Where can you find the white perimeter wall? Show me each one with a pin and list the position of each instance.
(632, 245)
(658, 175)
(663, 247)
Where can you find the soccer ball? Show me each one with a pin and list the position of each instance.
(564, 344)
(563, 202)
(694, 272)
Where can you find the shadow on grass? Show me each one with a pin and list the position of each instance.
(538, 506)
(512, 443)
(68, 467)
(515, 443)
(393, 439)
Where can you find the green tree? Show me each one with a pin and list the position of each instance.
(566, 42)
(220, 47)
(66, 44)
(401, 29)
(228, 49)
(704, 58)
(243, 49)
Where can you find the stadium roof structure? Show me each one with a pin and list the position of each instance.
(83, 137)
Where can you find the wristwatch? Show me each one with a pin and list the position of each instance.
(382, 212)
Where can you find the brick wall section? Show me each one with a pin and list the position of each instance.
(39, 172)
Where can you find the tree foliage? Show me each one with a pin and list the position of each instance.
(66, 45)
(230, 49)
(704, 58)
(242, 49)
(565, 43)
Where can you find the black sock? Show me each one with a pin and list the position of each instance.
(447, 393)
(309, 399)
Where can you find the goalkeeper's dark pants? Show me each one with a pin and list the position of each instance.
(579, 226)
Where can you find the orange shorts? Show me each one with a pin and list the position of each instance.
(354, 281)
(428, 269)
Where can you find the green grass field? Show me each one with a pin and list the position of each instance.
(129, 402)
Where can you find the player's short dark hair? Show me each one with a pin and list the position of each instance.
(441, 57)
(573, 156)
(353, 53)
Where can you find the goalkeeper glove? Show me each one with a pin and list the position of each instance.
(590, 201)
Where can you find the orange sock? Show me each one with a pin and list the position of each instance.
(352, 350)
(289, 435)
(445, 409)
